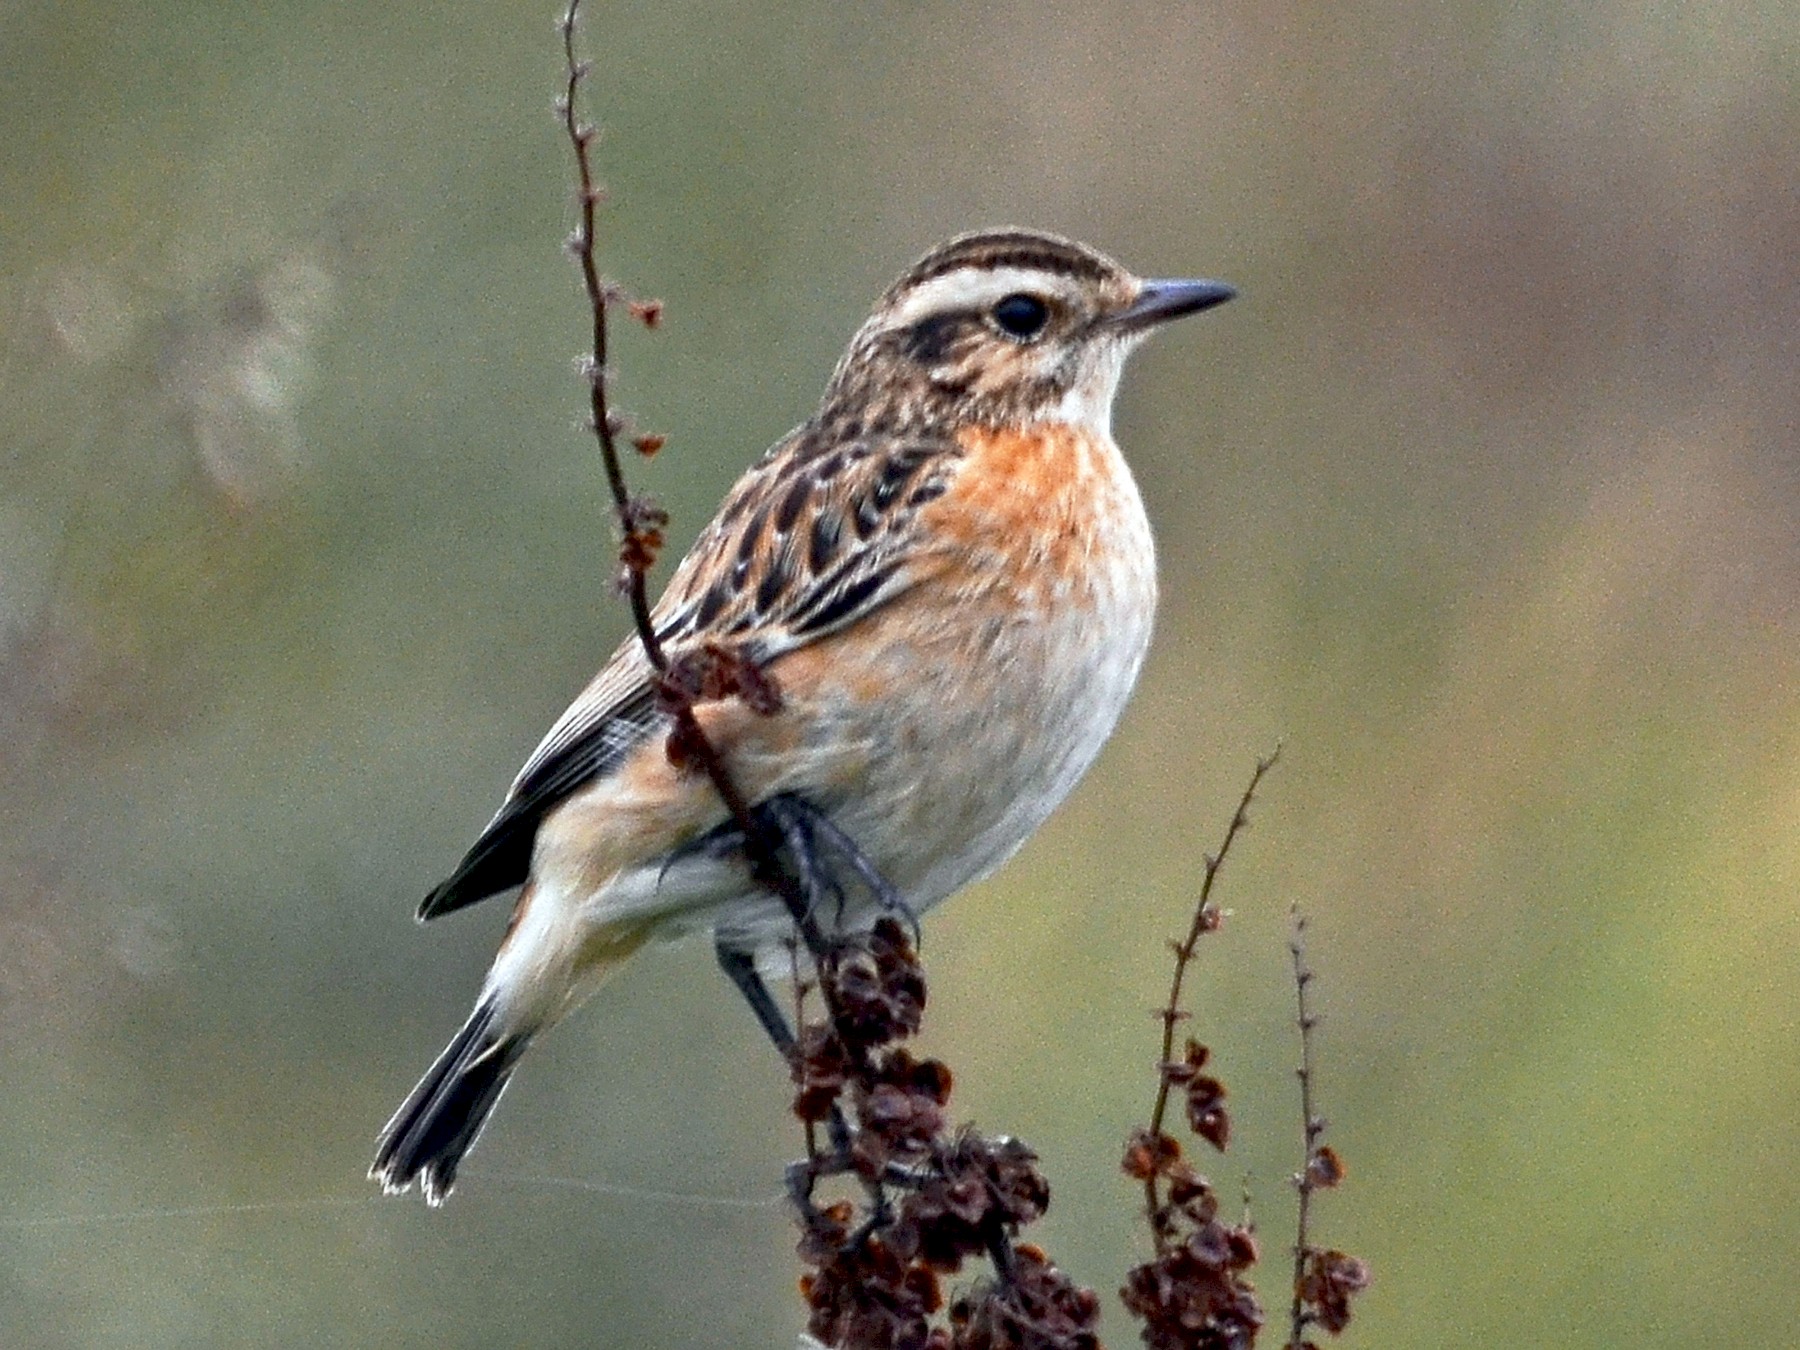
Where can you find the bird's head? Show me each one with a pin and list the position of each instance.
(1006, 328)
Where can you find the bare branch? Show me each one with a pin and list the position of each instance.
(1195, 1290)
(1325, 1282)
(1207, 918)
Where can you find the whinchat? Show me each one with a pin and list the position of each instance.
(947, 572)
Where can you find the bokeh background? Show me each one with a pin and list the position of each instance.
(1481, 501)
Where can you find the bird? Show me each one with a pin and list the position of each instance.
(947, 573)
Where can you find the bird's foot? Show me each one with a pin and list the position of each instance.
(821, 852)
(809, 833)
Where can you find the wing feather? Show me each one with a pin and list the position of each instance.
(813, 538)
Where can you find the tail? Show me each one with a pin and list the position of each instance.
(442, 1118)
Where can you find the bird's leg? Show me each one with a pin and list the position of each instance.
(803, 827)
(805, 833)
(780, 830)
(740, 967)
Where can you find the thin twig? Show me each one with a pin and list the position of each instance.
(802, 987)
(1206, 919)
(605, 426)
(1314, 1127)
(641, 523)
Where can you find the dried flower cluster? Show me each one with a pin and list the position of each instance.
(706, 674)
(1194, 1293)
(931, 1198)
(1328, 1281)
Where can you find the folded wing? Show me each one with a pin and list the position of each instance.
(813, 538)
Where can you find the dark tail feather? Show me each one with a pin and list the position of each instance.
(441, 1119)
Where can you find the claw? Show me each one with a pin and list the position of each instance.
(808, 834)
(804, 826)
(798, 825)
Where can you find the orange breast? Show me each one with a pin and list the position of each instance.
(1051, 510)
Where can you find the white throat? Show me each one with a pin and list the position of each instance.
(1088, 404)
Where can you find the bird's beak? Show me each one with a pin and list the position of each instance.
(1160, 301)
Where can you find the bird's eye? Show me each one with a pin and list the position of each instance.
(1021, 316)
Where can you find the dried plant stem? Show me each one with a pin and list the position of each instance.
(589, 194)
(640, 523)
(1314, 1127)
(1206, 919)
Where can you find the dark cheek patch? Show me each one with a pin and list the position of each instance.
(931, 341)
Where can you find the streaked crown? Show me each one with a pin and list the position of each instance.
(1003, 328)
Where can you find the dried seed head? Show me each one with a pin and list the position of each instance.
(1328, 1285)
(1325, 1168)
(1206, 1112)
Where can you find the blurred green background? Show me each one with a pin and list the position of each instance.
(1481, 500)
